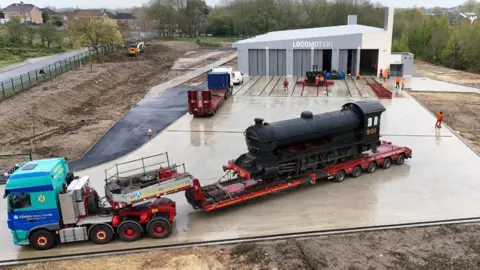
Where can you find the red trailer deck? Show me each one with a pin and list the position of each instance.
(242, 188)
(206, 102)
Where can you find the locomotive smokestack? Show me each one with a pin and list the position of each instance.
(258, 121)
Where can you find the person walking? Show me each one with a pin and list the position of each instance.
(397, 83)
(381, 73)
(438, 124)
(358, 74)
(285, 85)
(403, 83)
(388, 73)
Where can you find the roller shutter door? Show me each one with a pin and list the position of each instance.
(277, 62)
(318, 58)
(343, 60)
(302, 62)
(257, 62)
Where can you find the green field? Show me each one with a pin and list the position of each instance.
(207, 41)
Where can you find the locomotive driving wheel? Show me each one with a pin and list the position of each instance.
(330, 158)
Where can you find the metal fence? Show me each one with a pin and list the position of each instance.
(38, 75)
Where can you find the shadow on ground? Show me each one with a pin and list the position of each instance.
(154, 112)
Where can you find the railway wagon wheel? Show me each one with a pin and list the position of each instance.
(159, 228)
(100, 234)
(129, 231)
(42, 240)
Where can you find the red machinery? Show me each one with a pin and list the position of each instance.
(315, 78)
(242, 187)
(206, 102)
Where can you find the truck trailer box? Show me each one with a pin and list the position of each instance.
(218, 80)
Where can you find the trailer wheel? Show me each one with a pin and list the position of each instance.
(372, 167)
(159, 228)
(387, 162)
(42, 240)
(129, 231)
(100, 234)
(356, 171)
(400, 159)
(340, 176)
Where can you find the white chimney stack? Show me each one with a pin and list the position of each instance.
(352, 19)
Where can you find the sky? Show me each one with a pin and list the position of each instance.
(128, 3)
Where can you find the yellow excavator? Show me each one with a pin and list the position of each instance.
(135, 48)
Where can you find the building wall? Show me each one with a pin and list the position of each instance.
(381, 41)
(36, 16)
(406, 59)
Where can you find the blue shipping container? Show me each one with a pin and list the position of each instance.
(218, 80)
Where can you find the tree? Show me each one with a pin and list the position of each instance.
(45, 17)
(31, 33)
(48, 33)
(97, 32)
(16, 30)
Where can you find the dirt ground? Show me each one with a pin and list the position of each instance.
(461, 112)
(446, 74)
(66, 115)
(437, 247)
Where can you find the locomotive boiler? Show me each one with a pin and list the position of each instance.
(310, 142)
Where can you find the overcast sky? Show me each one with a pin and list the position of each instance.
(128, 3)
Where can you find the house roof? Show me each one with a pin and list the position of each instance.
(124, 16)
(88, 13)
(110, 15)
(48, 11)
(339, 30)
(17, 8)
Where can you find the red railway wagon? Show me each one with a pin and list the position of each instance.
(242, 188)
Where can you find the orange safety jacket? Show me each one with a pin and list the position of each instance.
(439, 116)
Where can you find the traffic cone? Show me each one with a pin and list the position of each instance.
(149, 132)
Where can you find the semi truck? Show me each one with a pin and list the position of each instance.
(48, 205)
(207, 102)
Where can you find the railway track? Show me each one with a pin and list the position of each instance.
(237, 240)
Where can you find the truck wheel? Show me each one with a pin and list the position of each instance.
(42, 240)
(387, 162)
(400, 160)
(129, 231)
(356, 171)
(100, 234)
(372, 167)
(159, 228)
(340, 176)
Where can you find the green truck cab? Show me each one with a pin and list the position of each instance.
(33, 206)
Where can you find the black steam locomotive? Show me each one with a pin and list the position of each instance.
(291, 147)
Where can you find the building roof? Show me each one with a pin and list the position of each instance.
(88, 13)
(110, 14)
(339, 30)
(48, 11)
(124, 16)
(17, 8)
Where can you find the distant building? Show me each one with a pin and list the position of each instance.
(469, 15)
(87, 13)
(125, 19)
(27, 13)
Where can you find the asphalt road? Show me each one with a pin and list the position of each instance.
(129, 133)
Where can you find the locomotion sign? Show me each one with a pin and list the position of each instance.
(313, 44)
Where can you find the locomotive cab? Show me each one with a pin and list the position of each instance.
(371, 112)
